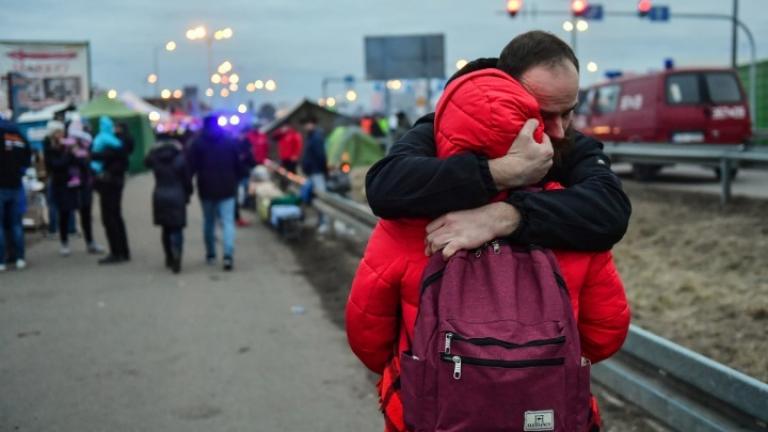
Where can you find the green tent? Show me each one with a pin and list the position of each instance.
(136, 122)
(351, 144)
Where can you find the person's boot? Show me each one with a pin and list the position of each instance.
(176, 260)
(112, 259)
(228, 263)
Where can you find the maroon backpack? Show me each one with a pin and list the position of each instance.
(495, 346)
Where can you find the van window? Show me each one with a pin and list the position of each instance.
(607, 99)
(723, 88)
(586, 101)
(683, 89)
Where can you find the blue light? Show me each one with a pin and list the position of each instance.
(222, 121)
(234, 120)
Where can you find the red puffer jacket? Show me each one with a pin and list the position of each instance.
(289, 144)
(485, 107)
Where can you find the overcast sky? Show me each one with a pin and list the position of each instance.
(298, 43)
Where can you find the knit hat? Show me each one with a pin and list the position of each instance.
(76, 130)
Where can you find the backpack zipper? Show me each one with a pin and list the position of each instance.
(509, 364)
(429, 280)
(451, 336)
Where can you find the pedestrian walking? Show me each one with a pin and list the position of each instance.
(15, 157)
(314, 163)
(246, 162)
(173, 187)
(214, 158)
(109, 163)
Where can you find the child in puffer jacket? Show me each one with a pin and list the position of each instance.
(488, 107)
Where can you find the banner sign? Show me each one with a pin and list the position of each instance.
(38, 74)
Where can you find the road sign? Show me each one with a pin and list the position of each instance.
(659, 13)
(593, 12)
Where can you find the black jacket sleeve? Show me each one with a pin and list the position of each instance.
(591, 214)
(411, 182)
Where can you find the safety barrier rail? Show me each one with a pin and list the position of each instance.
(725, 157)
(681, 388)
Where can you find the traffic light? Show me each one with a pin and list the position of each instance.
(514, 6)
(579, 7)
(643, 7)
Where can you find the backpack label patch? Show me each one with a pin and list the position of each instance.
(539, 420)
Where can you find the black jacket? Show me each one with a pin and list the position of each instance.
(591, 214)
(14, 155)
(61, 165)
(173, 185)
(215, 158)
(115, 162)
(314, 160)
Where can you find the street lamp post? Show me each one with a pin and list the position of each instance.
(574, 26)
(154, 77)
(201, 33)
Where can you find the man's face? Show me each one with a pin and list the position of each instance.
(556, 88)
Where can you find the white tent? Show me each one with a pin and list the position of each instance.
(44, 114)
(136, 103)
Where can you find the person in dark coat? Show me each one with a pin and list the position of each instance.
(109, 163)
(173, 187)
(15, 157)
(214, 157)
(67, 173)
(314, 163)
(82, 141)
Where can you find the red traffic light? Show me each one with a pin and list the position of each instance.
(514, 6)
(578, 7)
(643, 7)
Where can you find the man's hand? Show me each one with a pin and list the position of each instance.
(468, 229)
(526, 162)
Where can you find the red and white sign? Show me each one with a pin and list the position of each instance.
(51, 73)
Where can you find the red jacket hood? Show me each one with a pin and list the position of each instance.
(482, 112)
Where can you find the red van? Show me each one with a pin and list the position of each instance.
(685, 106)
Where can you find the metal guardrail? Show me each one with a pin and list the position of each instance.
(759, 134)
(681, 388)
(724, 157)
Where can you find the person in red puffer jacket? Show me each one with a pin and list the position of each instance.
(289, 147)
(489, 107)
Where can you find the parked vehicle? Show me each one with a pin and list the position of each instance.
(682, 106)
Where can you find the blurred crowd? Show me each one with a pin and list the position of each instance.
(53, 187)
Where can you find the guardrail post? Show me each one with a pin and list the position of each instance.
(725, 180)
(331, 226)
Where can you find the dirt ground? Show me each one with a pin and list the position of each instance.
(697, 273)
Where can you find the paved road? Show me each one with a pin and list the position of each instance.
(750, 182)
(135, 348)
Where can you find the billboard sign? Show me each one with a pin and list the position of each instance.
(404, 57)
(38, 74)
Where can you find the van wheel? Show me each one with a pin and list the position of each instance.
(645, 172)
(719, 173)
